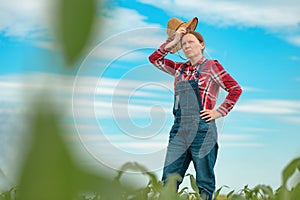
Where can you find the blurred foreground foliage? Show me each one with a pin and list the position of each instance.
(49, 171)
(75, 23)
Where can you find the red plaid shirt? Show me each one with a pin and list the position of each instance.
(212, 77)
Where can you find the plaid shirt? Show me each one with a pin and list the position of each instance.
(212, 77)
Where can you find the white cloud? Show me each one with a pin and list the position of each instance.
(269, 106)
(291, 119)
(108, 86)
(29, 18)
(122, 98)
(126, 141)
(34, 19)
(257, 129)
(294, 39)
(125, 110)
(280, 17)
(117, 20)
(275, 14)
(120, 31)
(251, 89)
(136, 99)
(295, 58)
(129, 44)
(236, 137)
(238, 140)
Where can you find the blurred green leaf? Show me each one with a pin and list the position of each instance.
(155, 185)
(295, 193)
(130, 166)
(289, 170)
(75, 24)
(237, 197)
(169, 191)
(48, 172)
(101, 185)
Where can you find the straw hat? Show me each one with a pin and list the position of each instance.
(174, 24)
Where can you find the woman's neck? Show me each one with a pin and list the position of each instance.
(196, 59)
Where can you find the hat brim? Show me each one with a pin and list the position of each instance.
(190, 25)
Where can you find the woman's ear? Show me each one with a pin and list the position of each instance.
(202, 45)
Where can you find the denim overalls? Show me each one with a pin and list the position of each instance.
(191, 138)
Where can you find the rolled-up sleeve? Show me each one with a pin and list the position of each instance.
(157, 58)
(225, 81)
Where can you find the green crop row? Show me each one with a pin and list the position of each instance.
(155, 190)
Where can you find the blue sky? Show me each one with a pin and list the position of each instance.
(118, 106)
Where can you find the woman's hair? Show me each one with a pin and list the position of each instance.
(197, 35)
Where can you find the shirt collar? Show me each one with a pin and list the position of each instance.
(203, 58)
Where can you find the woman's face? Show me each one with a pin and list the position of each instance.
(191, 46)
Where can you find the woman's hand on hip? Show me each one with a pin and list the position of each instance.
(209, 115)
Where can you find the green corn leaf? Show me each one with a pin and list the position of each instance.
(75, 24)
(284, 193)
(169, 190)
(229, 195)
(265, 190)
(130, 166)
(182, 191)
(237, 197)
(185, 196)
(295, 193)
(155, 184)
(48, 172)
(100, 185)
(289, 170)
(217, 192)
(193, 183)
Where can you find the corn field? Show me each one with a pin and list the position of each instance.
(49, 171)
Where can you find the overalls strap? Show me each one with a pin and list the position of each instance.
(200, 67)
(198, 70)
